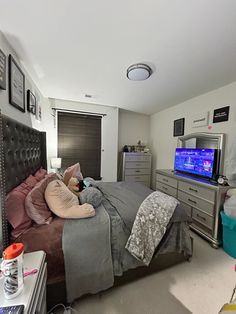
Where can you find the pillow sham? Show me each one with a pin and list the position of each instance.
(15, 207)
(64, 203)
(72, 171)
(40, 174)
(35, 204)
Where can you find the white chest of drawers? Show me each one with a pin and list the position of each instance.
(201, 200)
(135, 167)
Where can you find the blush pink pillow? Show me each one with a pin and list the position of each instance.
(72, 171)
(15, 206)
(35, 204)
(40, 174)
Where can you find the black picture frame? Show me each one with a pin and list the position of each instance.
(16, 85)
(221, 114)
(3, 60)
(38, 114)
(179, 127)
(31, 102)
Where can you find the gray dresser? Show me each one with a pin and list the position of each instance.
(201, 200)
(135, 167)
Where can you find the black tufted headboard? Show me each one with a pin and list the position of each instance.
(22, 152)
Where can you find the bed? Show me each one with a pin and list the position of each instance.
(23, 152)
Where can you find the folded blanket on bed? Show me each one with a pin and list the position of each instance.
(150, 225)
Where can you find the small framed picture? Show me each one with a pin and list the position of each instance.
(2, 70)
(31, 102)
(178, 127)
(221, 114)
(16, 85)
(38, 111)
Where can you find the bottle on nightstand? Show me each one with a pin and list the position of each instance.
(33, 296)
(12, 269)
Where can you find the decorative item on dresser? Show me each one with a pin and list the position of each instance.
(201, 200)
(135, 167)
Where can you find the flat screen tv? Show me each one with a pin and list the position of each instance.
(200, 162)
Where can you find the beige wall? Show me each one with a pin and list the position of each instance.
(163, 143)
(132, 128)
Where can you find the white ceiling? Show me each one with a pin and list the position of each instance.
(72, 48)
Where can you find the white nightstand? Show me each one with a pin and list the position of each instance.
(33, 295)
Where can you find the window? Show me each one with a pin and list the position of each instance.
(79, 140)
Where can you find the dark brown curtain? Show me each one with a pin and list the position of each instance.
(79, 140)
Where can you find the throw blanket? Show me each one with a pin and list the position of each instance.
(150, 225)
(122, 201)
(87, 254)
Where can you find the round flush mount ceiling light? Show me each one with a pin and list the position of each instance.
(139, 72)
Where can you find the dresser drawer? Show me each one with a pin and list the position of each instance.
(166, 189)
(187, 208)
(134, 171)
(198, 191)
(134, 157)
(167, 180)
(199, 227)
(139, 178)
(203, 218)
(137, 164)
(196, 202)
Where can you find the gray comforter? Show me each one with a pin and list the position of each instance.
(94, 253)
(87, 255)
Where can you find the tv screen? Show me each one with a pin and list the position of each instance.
(196, 161)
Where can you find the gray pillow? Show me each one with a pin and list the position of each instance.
(91, 196)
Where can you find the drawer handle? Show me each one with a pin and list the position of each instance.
(165, 180)
(164, 188)
(137, 177)
(194, 190)
(137, 170)
(203, 218)
(194, 202)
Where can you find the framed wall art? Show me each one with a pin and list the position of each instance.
(2, 70)
(200, 119)
(16, 85)
(178, 127)
(31, 102)
(221, 114)
(38, 111)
